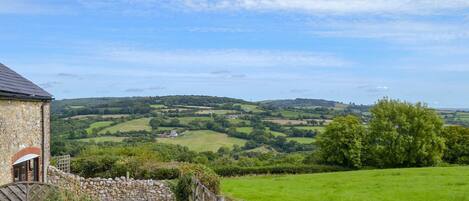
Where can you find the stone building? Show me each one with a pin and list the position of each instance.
(24, 129)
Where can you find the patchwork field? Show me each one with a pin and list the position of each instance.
(203, 140)
(250, 108)
(417, 184)
(98, 125)
(142, 124)
(110, 116)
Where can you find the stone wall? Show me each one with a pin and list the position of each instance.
(118, 189)
(20, 129)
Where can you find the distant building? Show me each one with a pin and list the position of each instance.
(173, 133)
(24, 129)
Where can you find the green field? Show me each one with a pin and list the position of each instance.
(312, 128)
(203, 140)
(418, 184)
(187, 120)
(167, 128)
(302, 140)
(248, 130)
(103, 139)
(218, 112)
(157, 106)
(98, 125)
(250, 108)
(132, 125)
(296, 114)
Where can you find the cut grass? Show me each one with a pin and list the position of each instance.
(98, 125)
(417, 184)
(142, 124)
(302, 140)
(203, 140)
(103, 139)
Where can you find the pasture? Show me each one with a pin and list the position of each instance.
(311, 128)
(142, 124)
(250, 108)
(98, 125)
(203, 140)
(103, 139)
(248, 130)
(416, 184)
(187, 120)
(302, 140)
(217, 112)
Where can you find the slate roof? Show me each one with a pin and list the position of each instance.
(13, 85)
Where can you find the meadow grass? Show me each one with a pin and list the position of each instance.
(157, 106)
(142, 124)
(97, 125)
(203, 140)
(416, 184)
(103, 139)
(248, 130)
(250, 108)
(302, 140)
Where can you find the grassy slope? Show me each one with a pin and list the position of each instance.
(248, 130)
(103, 139)
(187, 120)
(419, 184)
(99, 124)
(204, 140)
(133, 125)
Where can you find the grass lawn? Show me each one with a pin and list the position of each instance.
(302, 140)
(103, 139)
(238, 121)
(97, 125)
(418, 184)
(186, 120)
(142, 124)
(167, 128)
(218, 112)
(203, 140)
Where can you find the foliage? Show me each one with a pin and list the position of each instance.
(205, 175)
(231, 171)
(457, 144)
(342, 142)
(404, 135)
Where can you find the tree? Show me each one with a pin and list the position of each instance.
(342, 142)
(457, 144)
(404, 135)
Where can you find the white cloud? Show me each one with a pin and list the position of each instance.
(333, 6)
(225, 58)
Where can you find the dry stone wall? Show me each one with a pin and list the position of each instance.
(117, 189)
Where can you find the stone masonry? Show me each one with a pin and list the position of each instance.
(117, 189)
(21, 129)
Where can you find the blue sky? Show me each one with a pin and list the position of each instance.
(346, 50)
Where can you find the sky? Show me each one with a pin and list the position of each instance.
(346, 50)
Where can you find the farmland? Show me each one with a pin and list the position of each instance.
(133, 125)
(419, 184)
(203, 140)
(98, 125)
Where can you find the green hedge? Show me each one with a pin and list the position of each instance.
(231, 171)
(205, 175)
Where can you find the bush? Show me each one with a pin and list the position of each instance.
(457, 144)
(231, 171)
(194, 171)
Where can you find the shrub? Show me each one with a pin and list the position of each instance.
(457, 144)
(188, 172)
(230, 171)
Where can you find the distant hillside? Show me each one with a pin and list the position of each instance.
(299, 102)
